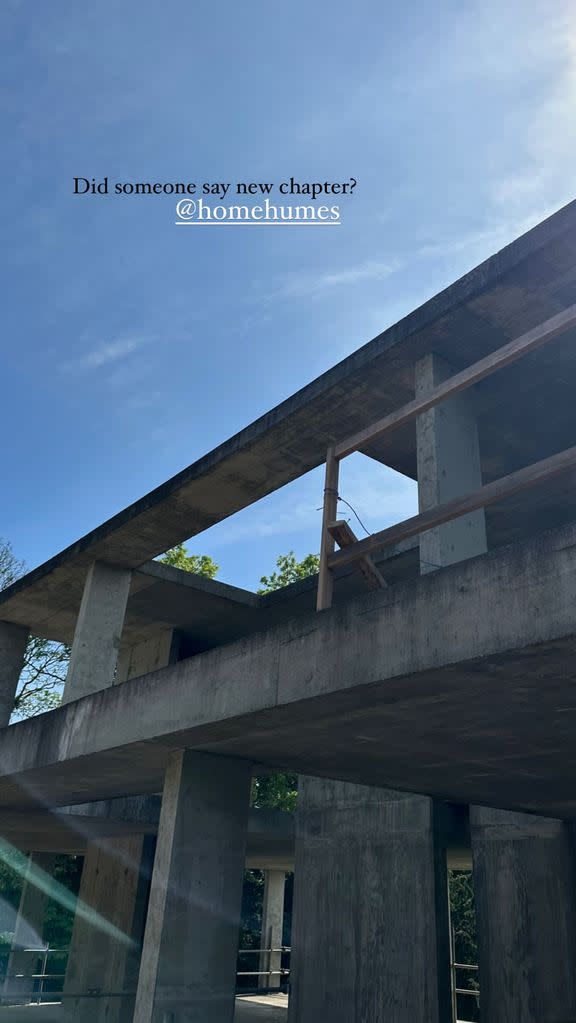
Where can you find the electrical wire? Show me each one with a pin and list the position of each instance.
(348, 505)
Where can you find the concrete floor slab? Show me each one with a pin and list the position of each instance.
(457, 685)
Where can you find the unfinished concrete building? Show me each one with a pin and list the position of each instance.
(422, 687)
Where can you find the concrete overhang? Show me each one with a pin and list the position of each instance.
(459, 684)
(525, 412)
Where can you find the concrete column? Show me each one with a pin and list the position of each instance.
(98, 631)
(272, 927)
(29, 930)
(13, 642)
(526, 916)
(370, 933)
(108, 930)
(448, 466)
(188, 970)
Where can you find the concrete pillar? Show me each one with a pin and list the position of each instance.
(108, 930)
(272, 927)
(188, 969)
(150, 655)
(370, 938)
(448, 466)
(98, 631)
(526, 916)
(13, 642)
(29, 930)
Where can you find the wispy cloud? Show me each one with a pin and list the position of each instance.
(105, 353)
(498, 232)
(312, 284)
(547, 152)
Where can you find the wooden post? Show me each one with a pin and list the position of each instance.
(325, 578)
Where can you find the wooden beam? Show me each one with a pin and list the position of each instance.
(504, 356)
(516, 482)
(345, 536)
(325, 579)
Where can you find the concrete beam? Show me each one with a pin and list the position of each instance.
(188, 968)
(98, 631)
(13, 643)
(526, 914)
(370, 919)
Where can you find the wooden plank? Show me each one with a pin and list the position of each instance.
(345, 536)
(523, 479)
(325, 579)
(504, 356)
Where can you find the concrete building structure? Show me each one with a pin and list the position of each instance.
(429, 709)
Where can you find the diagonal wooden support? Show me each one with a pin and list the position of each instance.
(344, 536)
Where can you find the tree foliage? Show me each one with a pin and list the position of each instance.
(198, 564)
(289, 570)
(278, 791)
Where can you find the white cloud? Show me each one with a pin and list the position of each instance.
(106, 353)
(364, 272)
(303, 285)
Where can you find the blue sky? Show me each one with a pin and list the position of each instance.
(131, 347)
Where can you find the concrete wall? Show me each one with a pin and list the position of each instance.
(152, 654)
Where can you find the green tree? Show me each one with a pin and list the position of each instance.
(45, 662)
(289, 570)
(198, 564)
